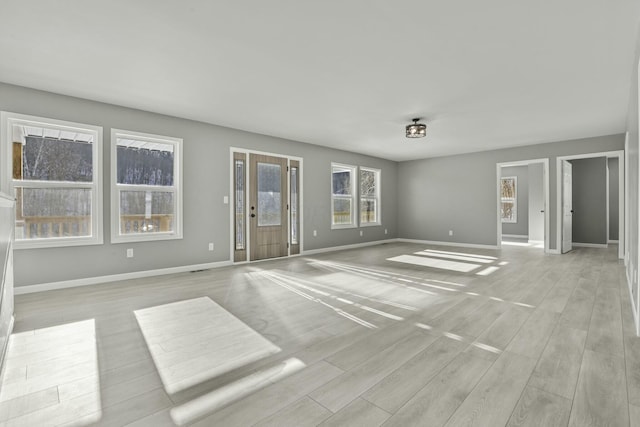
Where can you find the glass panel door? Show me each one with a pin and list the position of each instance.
(268, 207)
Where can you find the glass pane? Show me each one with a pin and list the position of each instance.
(368, 212)
(341, 179)
(146, 212)
(52, 154)
(508, 212)
(342, 211)
(239, 200)
(52, 212)
(294, 206)
(144, 163)
(367, 183)
(508, 188)
(269, 197)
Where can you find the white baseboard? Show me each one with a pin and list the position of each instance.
(516, 236)
(341, 248)
(20, 290)
(612, 241)
(555, 251)
(459, 245)
(589, 245)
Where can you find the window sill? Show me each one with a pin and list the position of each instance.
(145, 238)
(55, 243)
(343, 227)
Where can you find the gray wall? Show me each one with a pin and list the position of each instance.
(521, 227)
(206, 182)
(614, 207)
(632, 181)
(536, 202)
(459, 192)
(589, 200)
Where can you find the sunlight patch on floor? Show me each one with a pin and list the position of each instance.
(51, 377)
(487, 271)
(196, 340)
(435, 263)
(216, 399)
(412, 281)
(460, 338)
(453, 256)
(368, 272)
(523, 244)
(433, 251)
(278, 281)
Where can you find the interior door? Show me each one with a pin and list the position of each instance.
(567, 206)
(268, 219)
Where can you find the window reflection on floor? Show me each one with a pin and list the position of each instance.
(52, 377)
(196, 340)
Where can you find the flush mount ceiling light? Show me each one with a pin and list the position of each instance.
(416, 130)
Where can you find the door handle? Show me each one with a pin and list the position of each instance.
(253, 215)
(542, 211)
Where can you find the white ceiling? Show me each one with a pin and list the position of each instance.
(347, 74)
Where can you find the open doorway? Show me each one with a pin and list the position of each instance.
(591, 201)
(523, 197)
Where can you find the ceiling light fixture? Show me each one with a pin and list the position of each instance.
(416, 130)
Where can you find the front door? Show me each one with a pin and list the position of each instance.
(268, 219)
(567, 206)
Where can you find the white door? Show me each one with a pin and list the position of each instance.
(536, 202)
(567, 206)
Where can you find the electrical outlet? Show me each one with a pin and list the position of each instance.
(315, 233)
(130, 253)
(211, 246)
(386, 231)
(225, 200)
(450, 232)
(361, 233)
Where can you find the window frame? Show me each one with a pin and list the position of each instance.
(8, 184)
(353, 197)
(116, 188)
(513, 200)
(378, 179)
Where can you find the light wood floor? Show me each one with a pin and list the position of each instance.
(395, 335)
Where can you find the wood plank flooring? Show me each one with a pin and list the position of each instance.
(396, 335)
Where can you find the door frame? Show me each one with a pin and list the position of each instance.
(545, 187)
(619, 154)
(230, 200)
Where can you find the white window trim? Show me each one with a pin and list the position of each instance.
(515, 200)
(378, 174)
(8, 119)
(355, 177)
(116, 237)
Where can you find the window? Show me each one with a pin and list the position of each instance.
(509, 205)
(343, 196)
(53, 169)
(293, 186)
(239, 177)
(369, 196)
(146, 194)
